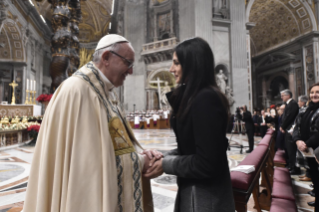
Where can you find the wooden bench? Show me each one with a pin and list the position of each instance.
(280, 159)
(283, 198)
(246, 184)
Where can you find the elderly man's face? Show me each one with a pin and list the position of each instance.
(119, 67)
(285, 97)
(301, 104)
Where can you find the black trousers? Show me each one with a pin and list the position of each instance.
(250, 134)
(291, 149)
(314, 174)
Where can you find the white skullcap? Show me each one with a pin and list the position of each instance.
(109, 40)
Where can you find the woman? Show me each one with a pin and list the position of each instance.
(199, 119)
(306, 135)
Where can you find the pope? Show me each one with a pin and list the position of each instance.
(86, 157)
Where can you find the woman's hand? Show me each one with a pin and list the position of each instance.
(301, 145)
(156, 170)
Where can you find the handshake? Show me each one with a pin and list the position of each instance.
(153, 163)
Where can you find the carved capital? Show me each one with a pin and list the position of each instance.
(3, 11)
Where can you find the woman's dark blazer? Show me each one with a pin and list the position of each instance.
(200, 161)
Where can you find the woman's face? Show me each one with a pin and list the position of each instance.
(314, 94)
(176, 69)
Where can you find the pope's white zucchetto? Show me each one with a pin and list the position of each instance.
(109, 40)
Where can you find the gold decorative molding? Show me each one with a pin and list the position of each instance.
(85, 56)
(277, 22)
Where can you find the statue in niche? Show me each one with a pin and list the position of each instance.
(164, 24)
(164, 100)
(217, 5)
(220, 10)
(120, 23)
(221, 81)
(229, 94)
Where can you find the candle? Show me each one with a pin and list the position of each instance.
(35, 85)
(27, 84)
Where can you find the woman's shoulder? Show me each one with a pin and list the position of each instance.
(207, 93)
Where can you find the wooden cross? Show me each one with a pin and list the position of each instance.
(13, 85)
(158, 81)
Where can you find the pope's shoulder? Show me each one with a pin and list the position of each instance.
(74, 85)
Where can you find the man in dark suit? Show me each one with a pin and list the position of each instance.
(249, 125)
(288, 118)
(263, 124)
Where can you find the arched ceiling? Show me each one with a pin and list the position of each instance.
(95, 18)
(278, 22)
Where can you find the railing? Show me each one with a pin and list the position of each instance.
(157, 45)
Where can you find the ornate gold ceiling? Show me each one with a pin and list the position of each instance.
(278, 21)
(95, 18)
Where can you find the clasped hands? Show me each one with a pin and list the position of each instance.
(153, 163)
(302, 146)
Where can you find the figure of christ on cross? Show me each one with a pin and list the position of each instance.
(13, 85)
(158, 81)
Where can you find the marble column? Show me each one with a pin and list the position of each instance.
(239, 53)
(203, 22)
(317, 9)
(316, 59)
(292, 82)
(155, 28)
(264, 91)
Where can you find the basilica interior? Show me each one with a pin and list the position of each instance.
(260, 48)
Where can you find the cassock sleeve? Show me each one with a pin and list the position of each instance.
(208, 120)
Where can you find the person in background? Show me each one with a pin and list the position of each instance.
(263, 123)
(302, 103)
(288, 118)
(249, 125)
(256, 122)
(306, 135)
(280, 138)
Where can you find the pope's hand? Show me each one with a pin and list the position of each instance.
(155, 171)
(147, 162)
(151, 154)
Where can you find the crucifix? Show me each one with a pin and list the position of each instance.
(158, 81)
(13, 85)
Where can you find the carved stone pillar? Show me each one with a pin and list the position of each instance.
(309, 65)
(60, 45)
(75, 9)
(3, 11)
(155, 28)
(292, 83)
(317, 9)
(264, 91)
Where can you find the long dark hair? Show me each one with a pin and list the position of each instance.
(197, 62)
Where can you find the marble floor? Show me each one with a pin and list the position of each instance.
(15, 167)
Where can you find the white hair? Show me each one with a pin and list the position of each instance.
(114, 47)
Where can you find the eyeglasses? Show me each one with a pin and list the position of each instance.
(127, 62)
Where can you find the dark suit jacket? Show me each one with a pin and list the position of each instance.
(290, 114)
(248, 119)
(200, 161)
